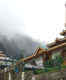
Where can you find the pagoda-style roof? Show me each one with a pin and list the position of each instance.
(56, 42)
(2, 54)
(63, 33)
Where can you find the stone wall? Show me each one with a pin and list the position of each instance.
(52, 76)
(28, 75)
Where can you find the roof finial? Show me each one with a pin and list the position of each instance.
(65, 15)
(64, 31)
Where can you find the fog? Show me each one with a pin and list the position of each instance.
(18, 45)
(13, 36)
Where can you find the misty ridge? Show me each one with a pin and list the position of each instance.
(18, 45)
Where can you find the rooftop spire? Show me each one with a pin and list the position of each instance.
(64, 31)
(65, 16)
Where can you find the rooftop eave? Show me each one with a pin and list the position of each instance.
(63, 33)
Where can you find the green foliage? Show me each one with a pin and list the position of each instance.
(39, 71)
(51, 69)
(48, 63)
(54, 62)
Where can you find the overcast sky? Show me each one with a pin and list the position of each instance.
(40, 19)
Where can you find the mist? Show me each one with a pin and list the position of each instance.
(17, 45)
(13, 36)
